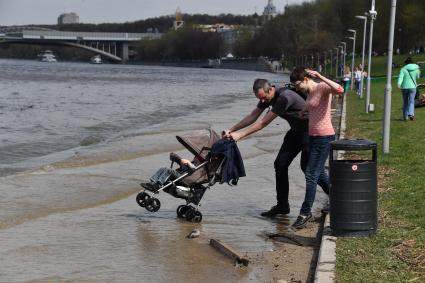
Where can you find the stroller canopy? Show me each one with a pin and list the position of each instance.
(199, 142)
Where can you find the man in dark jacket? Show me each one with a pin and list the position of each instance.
(286, 104)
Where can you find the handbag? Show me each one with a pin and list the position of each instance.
(417, 88)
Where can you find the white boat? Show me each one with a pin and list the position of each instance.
(47, 56)
(96, 59)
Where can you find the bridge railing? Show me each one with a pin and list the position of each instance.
(87, 36)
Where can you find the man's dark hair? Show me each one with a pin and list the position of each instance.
(298, 74)
(408, 60)
(261, 84)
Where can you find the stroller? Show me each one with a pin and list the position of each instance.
(189, 181)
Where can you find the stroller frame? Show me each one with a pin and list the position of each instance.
(193, 192)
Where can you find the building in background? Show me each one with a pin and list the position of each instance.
(68, 18)
(178, 23)
(269, 11)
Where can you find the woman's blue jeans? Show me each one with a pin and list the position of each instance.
(315, 171)
(408, 102)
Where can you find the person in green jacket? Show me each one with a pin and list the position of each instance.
(407, 83)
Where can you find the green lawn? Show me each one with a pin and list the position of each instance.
(379, 64)
(397, 252)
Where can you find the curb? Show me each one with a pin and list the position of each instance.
(326, 261)
(325, 269)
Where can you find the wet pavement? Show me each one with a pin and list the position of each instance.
(83, 223)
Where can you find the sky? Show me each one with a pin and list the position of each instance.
(26, 12)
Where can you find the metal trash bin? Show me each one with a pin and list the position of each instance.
(353, 196)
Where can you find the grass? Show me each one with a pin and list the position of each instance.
(379, 64)
(397, 252)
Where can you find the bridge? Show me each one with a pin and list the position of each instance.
(108, 44)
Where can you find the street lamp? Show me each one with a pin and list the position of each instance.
(345, 52)
(336, 63)
(354, 51)
(352, 62)
(364, 18)
(372, 14)
(318, 63)
(330, 72)
(341, 55)
(324, 62)
(388, 87)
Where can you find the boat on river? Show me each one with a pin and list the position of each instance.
(96, 59)
(47, 56)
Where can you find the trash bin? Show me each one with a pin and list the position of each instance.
(353, 196)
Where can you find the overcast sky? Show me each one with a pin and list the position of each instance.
(23, 12)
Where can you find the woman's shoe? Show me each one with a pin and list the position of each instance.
(302, 220)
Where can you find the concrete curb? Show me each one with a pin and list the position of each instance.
(325, 269)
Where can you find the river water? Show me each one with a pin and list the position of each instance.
(77, 139)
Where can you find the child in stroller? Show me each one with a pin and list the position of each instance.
(190, 180)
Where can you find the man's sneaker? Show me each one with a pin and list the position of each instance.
(275, 210)
(302, 221)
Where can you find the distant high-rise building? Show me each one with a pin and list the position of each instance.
(68, 18)
(178, 23)
(270, 10)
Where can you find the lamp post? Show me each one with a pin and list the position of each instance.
(330, 72)
(344, 54)
(364, 18)
(312, 61)
(354, 51)
(336, 63)
(372, 14)
(388, 87)
(352, 62)
(318, 63)
(324, 63)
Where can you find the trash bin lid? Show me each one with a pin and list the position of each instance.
(355, 144)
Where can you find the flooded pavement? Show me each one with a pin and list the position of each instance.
(83, 223)
(75, 219)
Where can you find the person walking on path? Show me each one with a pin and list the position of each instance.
(320, 131)
(358, 76)
(407, 83)
(287, 104)
(346, 78)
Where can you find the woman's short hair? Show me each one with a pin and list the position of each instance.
(298, 74)
(408, 60)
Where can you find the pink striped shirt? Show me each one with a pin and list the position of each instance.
(318, 105)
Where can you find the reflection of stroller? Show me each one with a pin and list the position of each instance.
(189, 181)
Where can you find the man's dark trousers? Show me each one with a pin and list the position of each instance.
(293, 143)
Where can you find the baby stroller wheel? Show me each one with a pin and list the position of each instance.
(197, 217)
(193, 215)
(182, 210)
(153, 204)
(142, 198)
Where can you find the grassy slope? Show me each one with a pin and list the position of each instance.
(397, 252)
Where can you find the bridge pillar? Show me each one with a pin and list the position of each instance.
(124, 50)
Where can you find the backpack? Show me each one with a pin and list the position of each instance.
(292, 87)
